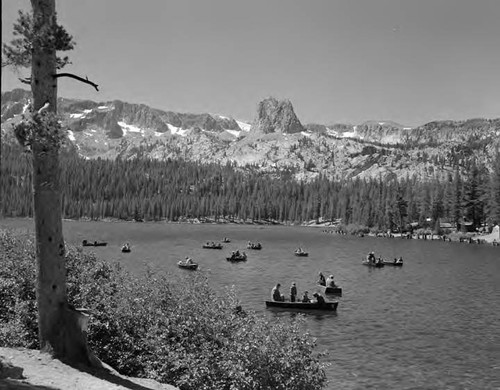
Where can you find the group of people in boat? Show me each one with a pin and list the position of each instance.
(126, 247)
(327, 282)
(276, 295)
(254, 245)
(238, 255)
(370, 258)
(188, 261)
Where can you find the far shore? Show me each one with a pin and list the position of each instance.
(327, 226)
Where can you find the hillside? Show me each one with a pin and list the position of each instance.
(275, 140)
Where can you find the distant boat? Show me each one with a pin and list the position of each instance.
(327, 306)
(225, 239)
(254, 246)
(94, 243)
(126, 248)
(331, 290)
(371, 264)
(212, 246)
(301, 253)
(393, 263)
(190, 266)
(235, 258)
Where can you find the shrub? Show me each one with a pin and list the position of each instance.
(178, 332)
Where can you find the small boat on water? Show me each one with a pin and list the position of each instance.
(225, 239)
(336, 290)
(126, 248)
(237, 257)
(94, 243)
(301, 253)
(186, 265)
(393, 263)
(254, 245)
(326, 306)
(372, 264)
(212, 245)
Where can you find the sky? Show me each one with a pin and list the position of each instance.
(337, 61)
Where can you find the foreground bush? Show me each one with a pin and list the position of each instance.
(180, 333)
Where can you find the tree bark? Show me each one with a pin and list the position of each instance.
(60, 328)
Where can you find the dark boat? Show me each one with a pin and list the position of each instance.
(126, 248)
(254, 246)
(375, 265)
(393, 264)
(301, 253)
(328, 306)
(212, 246)
(331, 290)
(95, 243)
(225, 239)
(236, 258)
(192, 266)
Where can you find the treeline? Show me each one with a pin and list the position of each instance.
(150, 190)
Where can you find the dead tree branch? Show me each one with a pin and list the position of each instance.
(83, 80)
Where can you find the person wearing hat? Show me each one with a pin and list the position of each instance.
(293, 292)
(321, 279)
(305, 297)
(330, 282)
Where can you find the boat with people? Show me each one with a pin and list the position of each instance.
(225, 239)
(237, 256)
(373, 264)
(333, 290)
(254, 245)
(301, 253)
(93, 243)
(187, 264)
(326, 306)
(126, 248)
(394, 263)
(212, 245)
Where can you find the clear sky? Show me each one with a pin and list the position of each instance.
(411, 61)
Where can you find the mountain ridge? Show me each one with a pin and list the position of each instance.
(276, 140)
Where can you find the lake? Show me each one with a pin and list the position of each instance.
(432, 324)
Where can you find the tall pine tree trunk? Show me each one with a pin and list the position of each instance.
(60, 326)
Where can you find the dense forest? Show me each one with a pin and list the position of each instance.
(151, 190)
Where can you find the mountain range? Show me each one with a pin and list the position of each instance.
(275, 141)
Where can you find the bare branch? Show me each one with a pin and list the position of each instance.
(83, 80)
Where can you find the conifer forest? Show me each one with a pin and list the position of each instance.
(152, 190)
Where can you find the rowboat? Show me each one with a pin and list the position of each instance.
(236, 258)
(370, 264)
(301, 253)
(254, 246)
(192, 266)
(327, 306)
(331, 290)
(394, 264)
(94, 243)
(212, 246)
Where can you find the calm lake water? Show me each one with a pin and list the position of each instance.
(432, 324)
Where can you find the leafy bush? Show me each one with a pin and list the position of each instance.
(175, 332)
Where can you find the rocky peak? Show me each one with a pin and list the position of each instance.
(276, 116)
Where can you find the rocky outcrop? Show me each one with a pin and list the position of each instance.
(276, 116)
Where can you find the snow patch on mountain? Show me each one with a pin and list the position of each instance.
(133, 129)
(177, 130)
(235, 133)
(76, 116)
(71, 136)
(244, 126)
(305, 133)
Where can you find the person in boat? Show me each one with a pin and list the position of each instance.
(319, 298)
(305, 297)
(371, 257)
(237, 254)
(276, 294)
(400, 260)
(395, 261)
(321, 279)
(293, 292)
(189, 261)
(379, 260)
(330, 282)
